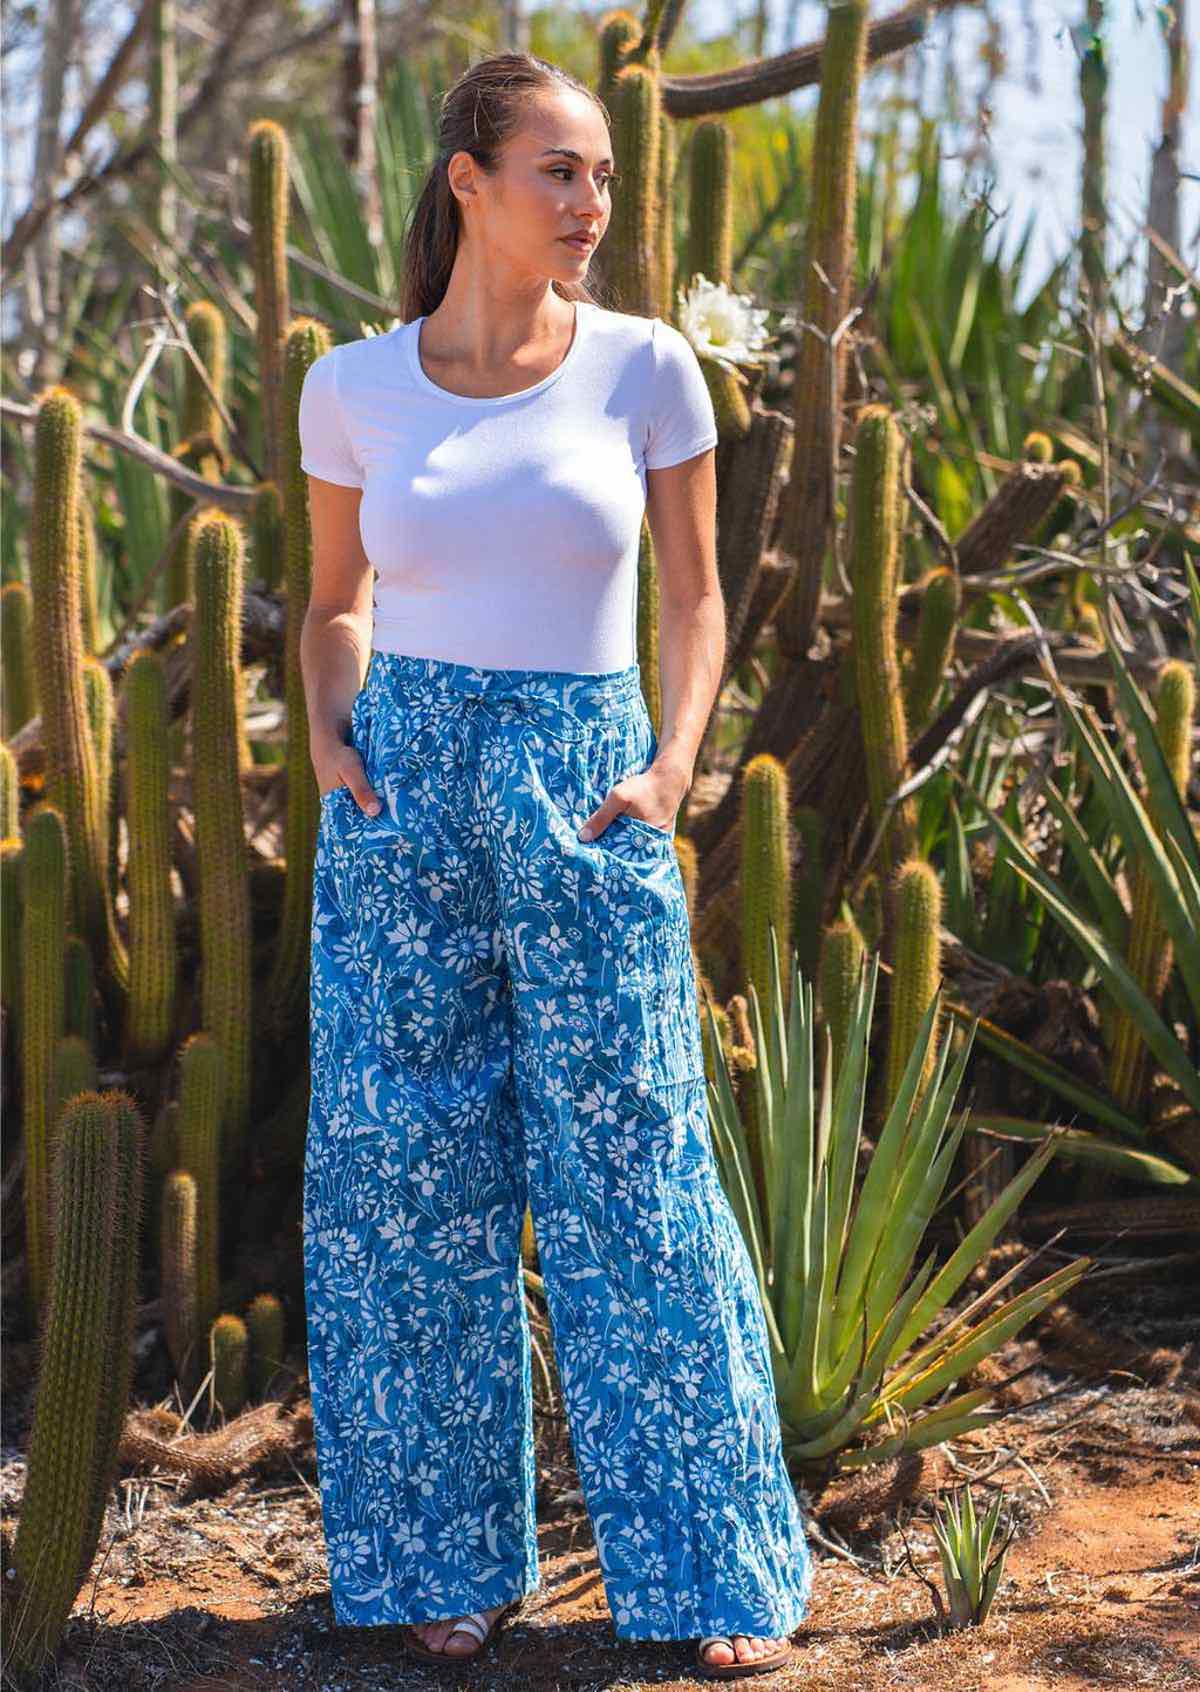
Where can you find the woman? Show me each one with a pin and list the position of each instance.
(503, 1001)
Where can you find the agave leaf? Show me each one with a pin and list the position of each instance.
(985, 1338)
(973, 1246)
(1049, 1073)
(1124, 987)
(949, 1421)
(1087, 1148)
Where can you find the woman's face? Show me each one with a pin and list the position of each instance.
(552, 181)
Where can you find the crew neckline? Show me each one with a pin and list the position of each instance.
(430, 386)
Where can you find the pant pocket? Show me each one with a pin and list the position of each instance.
(658, 956)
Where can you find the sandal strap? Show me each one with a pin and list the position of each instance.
(475, 1624)
(716, 1639)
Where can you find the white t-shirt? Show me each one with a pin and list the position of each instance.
(504, 532)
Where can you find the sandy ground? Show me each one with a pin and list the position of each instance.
(1102, 1585)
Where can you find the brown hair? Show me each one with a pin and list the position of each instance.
(478, 115)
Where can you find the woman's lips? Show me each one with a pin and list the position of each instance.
(582, 242)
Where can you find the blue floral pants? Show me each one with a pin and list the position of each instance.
(502, 1013)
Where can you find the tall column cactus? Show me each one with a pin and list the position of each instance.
(268, 228)
(1150, 951)
(664, 217)
(630, 257)
(807, 507)
(152, 944)
(18, 671)
(874, 558)
(647, 626)
(72, 776)
(933, 647)
(198, 1137)
(225, 951)
(45, 874)
(710, 254)
(916, 896)
(202, 434)
(288, 990)
(766, 877)
(85, 1367)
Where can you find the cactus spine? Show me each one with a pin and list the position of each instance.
(268, 222)
(152, 950)
(874, 553)
(224, 903)
(85, 1364)
(1150, 951)
(72, 776)
(766, 877)
(45, 862)
(288, 988)
(916, 971)
(18, 672)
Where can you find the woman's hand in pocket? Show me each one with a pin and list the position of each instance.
(341, 766)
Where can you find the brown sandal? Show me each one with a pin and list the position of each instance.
(476, 1624)
(736, 1669)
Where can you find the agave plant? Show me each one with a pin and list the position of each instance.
(1170, 855)
(971, 1568)
(855, 1380)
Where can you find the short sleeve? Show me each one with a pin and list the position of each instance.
(682, 421)
(325, 449)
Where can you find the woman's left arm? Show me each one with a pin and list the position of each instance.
(681, 509)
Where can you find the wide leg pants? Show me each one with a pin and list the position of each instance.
(502, 1012)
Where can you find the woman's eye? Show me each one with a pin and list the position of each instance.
(607, 179)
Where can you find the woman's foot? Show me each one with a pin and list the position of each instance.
(747, 1649)
(445, 1636)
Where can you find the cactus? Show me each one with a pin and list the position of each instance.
(288, 988)
(618, 37)
(44, 866)
(710, 254)
(269, 224)
(12, 875)
(202, 442)
(72, 777)
(267, 536)
(874, 551)
(868, 912)
(178, 1206)
(10, 794)
(934, 646)
(631, 268)
(79, 991)
(85, 1365)
(838, 977)
(664, 218)
(88, 609)
(73, 1071)
(807, 503)
(152, 944)
(1037, 447)
(98, 696)
(228, 1349)
(224, 902)
(163, 78)
(197, 1150)
(809, 888)
(1150, 950)
(766, 872)
(266, 1327)
(18, 671)
(916, 971)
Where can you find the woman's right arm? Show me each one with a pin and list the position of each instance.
(335, 637)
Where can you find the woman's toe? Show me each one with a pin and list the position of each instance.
(718, 1653)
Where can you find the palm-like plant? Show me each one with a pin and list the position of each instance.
(854, 1381)
(972, 1569)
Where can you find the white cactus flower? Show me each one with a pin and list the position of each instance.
(726, 327)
